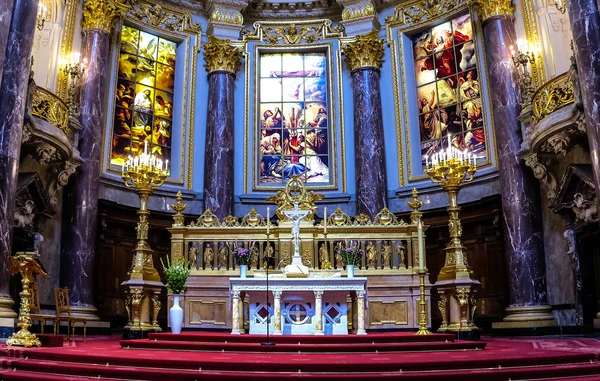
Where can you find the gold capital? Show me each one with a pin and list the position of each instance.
(365, 51)
(222, 55)
(487, 8)
(99, 15)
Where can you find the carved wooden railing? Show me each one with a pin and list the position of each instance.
(553, 95)
(47, 106)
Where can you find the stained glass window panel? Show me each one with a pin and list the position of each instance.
(448, 88)
(144, 96)
(294, 135)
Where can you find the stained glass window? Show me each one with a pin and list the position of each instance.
(144, 96)
(294, 134)
(448, 88)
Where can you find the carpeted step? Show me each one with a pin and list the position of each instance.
(35, 376)
(32, 367)
(299, 347)
(222, 337)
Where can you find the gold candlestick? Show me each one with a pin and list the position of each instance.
(422, 304)
(450, 168)
(25, 264)
(74, 69)
(523, 59)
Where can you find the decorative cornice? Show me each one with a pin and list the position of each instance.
(416, 12)
(163, 17)
(222, 55)
(226, 16)
(358, 10)
(292, 10)
(292, 33)
(491, 8)
(98, 15)
(364, 51)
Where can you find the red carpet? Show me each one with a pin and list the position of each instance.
(502, 359)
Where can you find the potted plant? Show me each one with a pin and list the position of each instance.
(242, 257)
(351, 256)
(176, 274)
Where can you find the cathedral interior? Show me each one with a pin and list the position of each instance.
(360, 100)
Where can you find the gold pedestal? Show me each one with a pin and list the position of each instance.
(25, 264)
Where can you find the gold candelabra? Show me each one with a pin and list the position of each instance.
(25, 264)
(450, 168)
(562, 8)
(521, 59)
(144, 173)
(41, 16)
(74, 69)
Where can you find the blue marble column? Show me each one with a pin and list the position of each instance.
(81, 196)
(585, 24)
(520, 191)
(369, 147)
(222, 62)
(13, 94)
(6, 7)
(218, 167)
(364, 57)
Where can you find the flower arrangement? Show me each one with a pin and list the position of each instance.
(352, 255)
(176, 273)
(242, 256)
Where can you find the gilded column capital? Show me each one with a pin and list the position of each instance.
(222, 55)
(98, 15)
(364, 51)
(487, 9)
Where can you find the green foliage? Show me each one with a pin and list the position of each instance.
(352, 255)
(176, 274)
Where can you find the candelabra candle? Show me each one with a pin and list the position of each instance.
(144, 171)
(268, 222)
(325, 220)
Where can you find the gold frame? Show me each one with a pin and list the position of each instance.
(66, 46)
(187, 122)
(532, 33)
(398, 27)
(329, 48)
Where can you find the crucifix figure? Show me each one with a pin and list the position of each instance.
(296, 268)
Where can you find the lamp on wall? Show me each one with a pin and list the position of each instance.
(41, 16)
(523, 59)
(73, 68)
(562, 8)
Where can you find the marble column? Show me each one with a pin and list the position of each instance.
(585, 24)
(319, 313)
(13, 95)
(360, 309)
(276, 313)
(6, 7)
(235, 313)
(81, 196)
(364, 57)
(222, 62)
(520, 191)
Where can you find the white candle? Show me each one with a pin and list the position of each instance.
(325, 220)
(426, 161)
(145, 146)
(268, 220)
(123, 167)
(135, 162)
(421, 246)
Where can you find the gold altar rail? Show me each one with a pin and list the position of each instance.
(553, 95)
(389, 243)
(49, 107)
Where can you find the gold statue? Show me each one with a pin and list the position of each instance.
(339, 263)
(387, 253)
(324, 257)
(254, 254)
(371, 254)
(402, 254)
(209, 256)
(192, 254)
(268, 257)
(223, 255)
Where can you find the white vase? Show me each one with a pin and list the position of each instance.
(243, 270)
(176, 316)
(350, 270)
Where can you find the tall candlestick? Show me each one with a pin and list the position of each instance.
(421, 246)
(325, 220)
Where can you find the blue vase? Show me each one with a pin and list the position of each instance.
(243, 270)
(350, 270)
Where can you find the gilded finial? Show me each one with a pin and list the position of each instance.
(415, 204)
(178, 207)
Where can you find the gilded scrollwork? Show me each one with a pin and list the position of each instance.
(163, 17)
(206, 219)
(540, 171)
(253, 219)
(488, 9)
(360, 10)
(227, 16)
(364, 51)
(339, 218)
(47, 106)
(416, 12)
(553, 95)
(292, 33)
(99, 15)
(222, 55)
(295, 192)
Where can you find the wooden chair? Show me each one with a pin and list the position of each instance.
(34, 310)
(63, 312)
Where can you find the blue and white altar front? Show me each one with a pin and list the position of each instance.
(297, 306)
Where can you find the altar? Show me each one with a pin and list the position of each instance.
(297, 306)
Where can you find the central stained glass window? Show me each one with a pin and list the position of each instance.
(294, 133)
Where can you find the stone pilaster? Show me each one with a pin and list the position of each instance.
(13, 93)
(81, 195)
(520, 191)
(585, 24)
(364, 57)
(222, 62)
(359, 16)
(225, 18)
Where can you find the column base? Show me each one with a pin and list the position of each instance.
(8, 318)
(526, 317)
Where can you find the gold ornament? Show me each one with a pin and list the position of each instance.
(47, 106)
(361, 10)
(98, 15)
(295, 192)
(222, 55)
(553, 95)
(365, 51)
(231, 17)
(25, 264)
(178, 207)
(492, 8)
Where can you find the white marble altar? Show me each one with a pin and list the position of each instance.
(298, 306)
